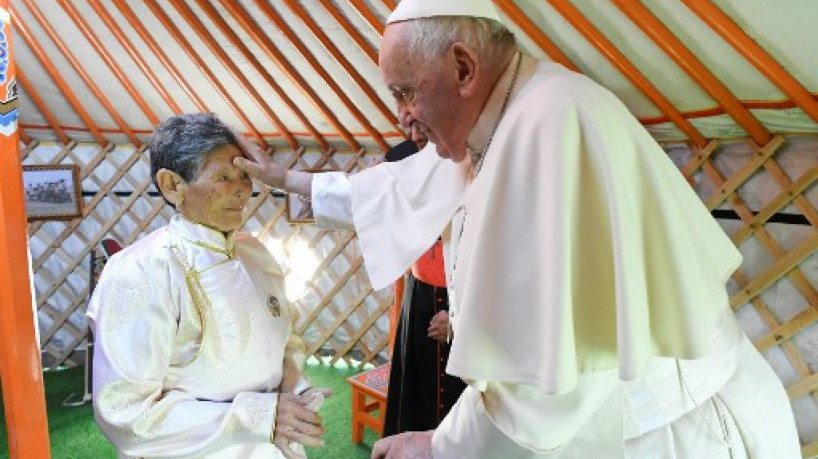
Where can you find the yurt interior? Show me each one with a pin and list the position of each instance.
(727, 88)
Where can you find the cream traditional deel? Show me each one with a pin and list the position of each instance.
(192, 333)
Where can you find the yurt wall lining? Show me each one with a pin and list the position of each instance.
(297, 74)
(767, 200)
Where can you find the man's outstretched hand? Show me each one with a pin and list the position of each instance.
(260, 165)
(408, 445)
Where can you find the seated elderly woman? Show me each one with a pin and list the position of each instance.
(194, 354)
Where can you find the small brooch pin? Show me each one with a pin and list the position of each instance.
(274, 306)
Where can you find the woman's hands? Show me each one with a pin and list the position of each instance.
(260, 165)
(297, 421)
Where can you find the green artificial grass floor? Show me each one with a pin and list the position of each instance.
(74, 434)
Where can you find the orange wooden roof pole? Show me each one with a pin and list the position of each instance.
(81, 71)
(24, 137)
(600, 42)
(766, 64)
(42, 107)
(368, 15)
(351, 30)
(21, 372)
(272, 15)
(205, 69)
(529, 28)
(114, 28)
(216, 48)
(318, 33)
(55, 75)
(676, 50)
(147, 38)
(238, 43)
(108, 59)
(390, 4)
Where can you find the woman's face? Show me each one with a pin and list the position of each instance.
(216, 198)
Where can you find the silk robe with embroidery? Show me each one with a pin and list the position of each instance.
(189, 366)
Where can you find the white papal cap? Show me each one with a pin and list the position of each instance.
(416, 9)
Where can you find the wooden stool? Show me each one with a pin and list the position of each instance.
(368, 394)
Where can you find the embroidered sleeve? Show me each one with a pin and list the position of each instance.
(134, 323)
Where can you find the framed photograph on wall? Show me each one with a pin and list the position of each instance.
(299, 209)
(52, 192)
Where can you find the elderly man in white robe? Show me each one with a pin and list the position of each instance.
(194, 355)
(587, 280)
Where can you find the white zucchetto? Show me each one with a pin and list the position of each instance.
(416, 9)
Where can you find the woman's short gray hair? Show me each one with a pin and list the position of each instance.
(430, 37)
(181, 143)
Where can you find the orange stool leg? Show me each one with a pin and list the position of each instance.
(358, 406)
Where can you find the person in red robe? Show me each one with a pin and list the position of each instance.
(420, 392)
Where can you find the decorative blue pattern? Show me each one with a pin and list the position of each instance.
(4, 54)
(7, 119)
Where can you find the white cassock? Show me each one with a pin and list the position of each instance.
(192, 335)
(590, 314)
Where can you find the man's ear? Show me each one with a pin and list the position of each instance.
(172, 186)
(465, 60)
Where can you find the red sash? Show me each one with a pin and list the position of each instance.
(429, 267)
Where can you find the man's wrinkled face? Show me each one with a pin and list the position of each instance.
(216, 198)
(426, 94)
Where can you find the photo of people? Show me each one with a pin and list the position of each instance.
(51, 192)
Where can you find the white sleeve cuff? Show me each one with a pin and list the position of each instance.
(468, 431)
(255, 414)
(332, 201)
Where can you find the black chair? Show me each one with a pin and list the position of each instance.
(97, 262)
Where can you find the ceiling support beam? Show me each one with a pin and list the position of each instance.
(273, 16)
(336, 53)
(218, 50)
(189, 49)
(368, 48)
(92, 38)
(755, 54)
(55, 75)
(368, 15)
(126, 44)
(626, 67)
(147, 38)
(534, 33)
(42, 107)
(228, 32)
(81, 71)
(676, 50)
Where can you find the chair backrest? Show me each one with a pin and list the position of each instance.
(110, 247)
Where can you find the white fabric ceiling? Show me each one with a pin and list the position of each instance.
(785, 29)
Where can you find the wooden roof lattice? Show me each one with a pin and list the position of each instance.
(304, 73)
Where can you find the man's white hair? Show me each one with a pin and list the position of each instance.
(430, 37)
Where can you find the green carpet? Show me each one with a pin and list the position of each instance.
(74, 434)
